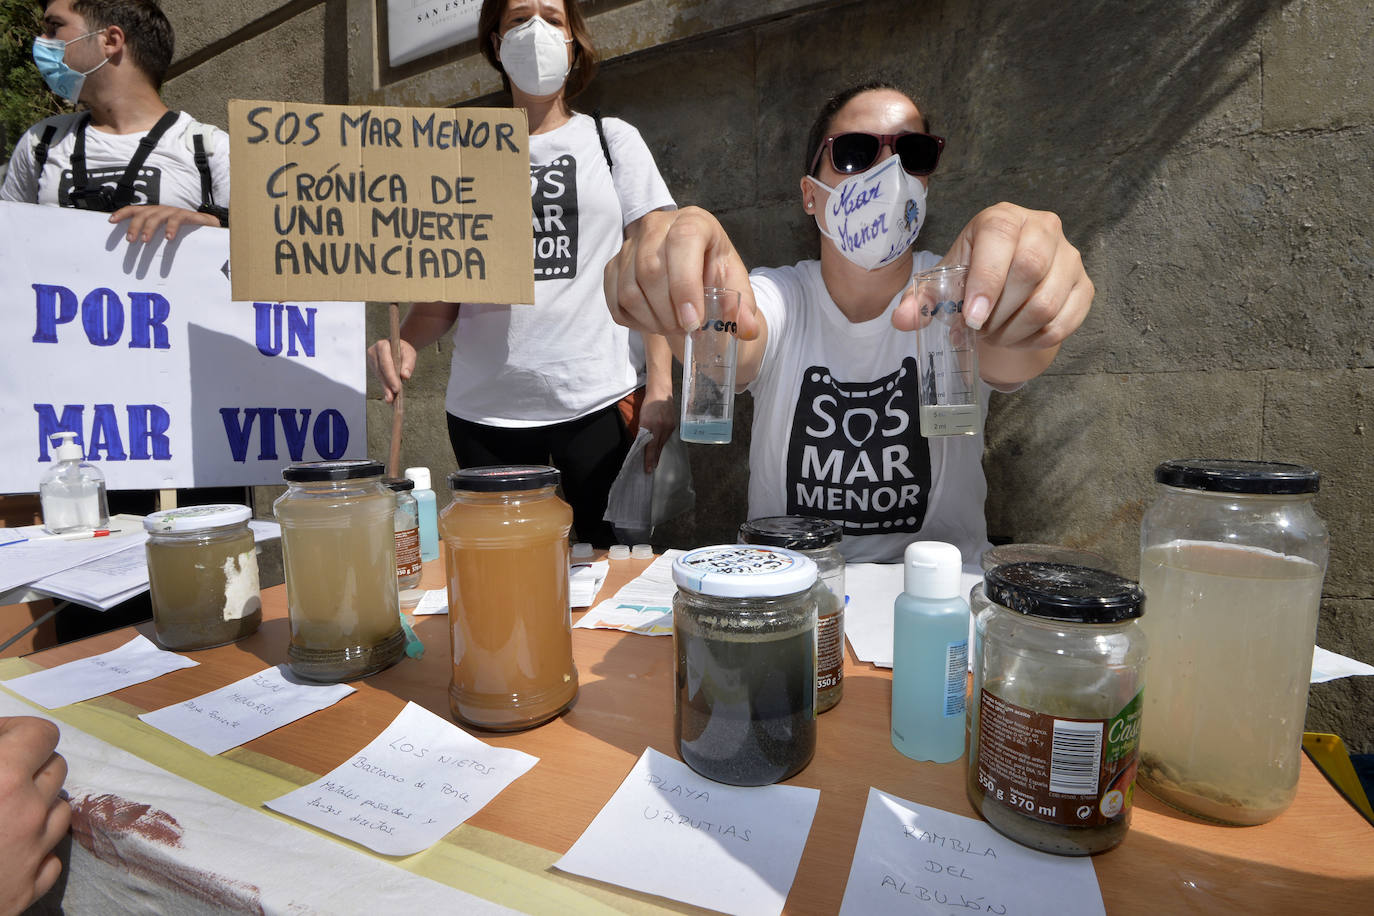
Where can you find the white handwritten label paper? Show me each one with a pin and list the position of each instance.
(416, 781)
(136, 661)
(244, 710)
(914, 859)
(728, 848)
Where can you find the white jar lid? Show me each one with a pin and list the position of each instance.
(744, 571)
(196, 518)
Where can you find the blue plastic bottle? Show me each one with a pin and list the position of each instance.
(930, 655)
(429, 514)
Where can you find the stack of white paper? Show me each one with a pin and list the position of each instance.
(643, 605)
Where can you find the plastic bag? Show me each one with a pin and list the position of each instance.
(638, 501)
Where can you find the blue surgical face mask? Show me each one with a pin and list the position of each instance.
(50, 56)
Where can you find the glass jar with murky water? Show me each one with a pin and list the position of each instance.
(1054, 719)
(744, 651)
(339, 549)
(506, 553)
(1232, 556)
(202, 576)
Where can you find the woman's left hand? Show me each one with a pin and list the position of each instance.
(659, 416)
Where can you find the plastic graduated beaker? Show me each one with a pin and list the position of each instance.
(708, 371)
(947, 354)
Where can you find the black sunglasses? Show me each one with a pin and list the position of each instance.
(857, 150)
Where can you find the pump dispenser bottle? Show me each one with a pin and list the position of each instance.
(72, 492)
(930, 655)
(428, 511)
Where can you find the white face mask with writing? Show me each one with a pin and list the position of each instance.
(874, 216)
(535, 57)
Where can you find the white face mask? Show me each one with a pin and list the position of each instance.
(874, 216)
(535, 57)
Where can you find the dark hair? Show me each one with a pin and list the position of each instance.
(148, 35)
(821, 127)
(584, 52)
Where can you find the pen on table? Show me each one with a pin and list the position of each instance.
(73, 535)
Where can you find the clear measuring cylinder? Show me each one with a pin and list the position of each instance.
(947, 354)
(708, 371)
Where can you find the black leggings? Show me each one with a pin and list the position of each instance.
(587, 451)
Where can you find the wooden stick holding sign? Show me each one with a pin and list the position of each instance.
(398, 405)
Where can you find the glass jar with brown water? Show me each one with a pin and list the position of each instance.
(339, 550)
(202, 576)
(506, 555)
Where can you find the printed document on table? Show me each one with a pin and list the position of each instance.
(670, 832)
(136, 661)
(643, 605)
(584, 582)
(911, 858)
(39, 556)
(872, 589)
(246, 709)
(415, 782)
(433, 601)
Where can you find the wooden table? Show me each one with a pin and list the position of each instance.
(1318, 855)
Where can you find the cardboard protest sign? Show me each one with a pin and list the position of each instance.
(393, 204)
(166, 380)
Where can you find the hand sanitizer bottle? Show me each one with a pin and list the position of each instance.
(930, 655)
(72, 492)
(429, 515)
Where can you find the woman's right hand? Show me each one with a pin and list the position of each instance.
(388, 372)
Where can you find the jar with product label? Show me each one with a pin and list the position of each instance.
(818, 539)
(507, 552)
(744, 653)
(408, 565)
(1232, 557)
(338, 546)
(202, 576)
(1054, 718)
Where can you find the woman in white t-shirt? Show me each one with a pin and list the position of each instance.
(827, 346)
(557, 381)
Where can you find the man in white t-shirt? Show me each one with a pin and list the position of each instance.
(828, 347)
(126, 154)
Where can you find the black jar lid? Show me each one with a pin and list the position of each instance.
(504, 478)
(398, 483)
(1058, 591)
(317, 471)
(795, 532)
(1226, 475)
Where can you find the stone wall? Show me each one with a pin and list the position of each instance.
(1210, 159)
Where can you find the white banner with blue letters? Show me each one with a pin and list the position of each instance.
(166, 381)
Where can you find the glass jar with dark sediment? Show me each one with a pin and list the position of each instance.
(744, 639)
(819, 539)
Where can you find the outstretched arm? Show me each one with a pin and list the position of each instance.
(1027, 290)
(655, 283)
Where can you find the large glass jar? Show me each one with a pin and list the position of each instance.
(339, 552)
(818, 539)
(744, 651)
(202, 576)
(1232, 556)
(506, 543)
(1054, 719)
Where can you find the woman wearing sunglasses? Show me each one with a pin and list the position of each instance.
(827, 347)
(556, 382)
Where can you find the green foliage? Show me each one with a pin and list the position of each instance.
(24, 99)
